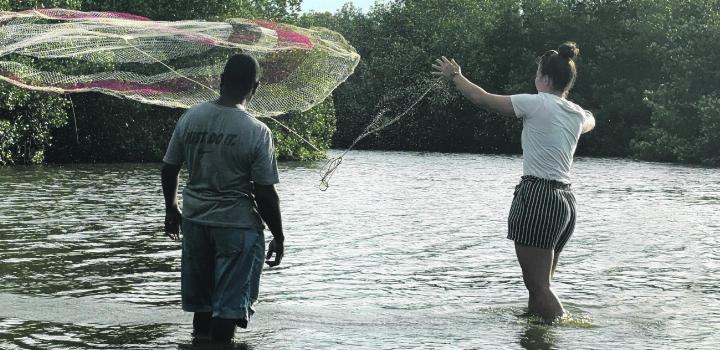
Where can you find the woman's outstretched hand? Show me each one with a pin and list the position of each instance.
(449, 69)
(446, 68)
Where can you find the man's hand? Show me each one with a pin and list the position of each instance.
(173, 218)
(268, 205)
(277, 247)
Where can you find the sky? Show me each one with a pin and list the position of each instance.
(333, 5)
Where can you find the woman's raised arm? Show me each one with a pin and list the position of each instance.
(450, 70)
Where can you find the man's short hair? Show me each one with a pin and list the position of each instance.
(241, 72)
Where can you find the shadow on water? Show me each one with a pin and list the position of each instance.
(199, 344)
(17, 333)
(538, 337)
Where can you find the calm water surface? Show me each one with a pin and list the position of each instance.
(405, 250)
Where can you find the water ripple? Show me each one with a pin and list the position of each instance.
(404, 250)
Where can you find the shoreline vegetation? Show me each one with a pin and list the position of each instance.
(647, 70)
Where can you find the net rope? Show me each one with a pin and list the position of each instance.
(378, 123)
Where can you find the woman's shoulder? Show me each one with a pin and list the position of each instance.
(564, 104)
(526, 97)
(584, 118)
(525, 104)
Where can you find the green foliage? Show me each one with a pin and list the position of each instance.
(648, 70)
(111, 130)
(27, 118)
(398, 44)
(26, 121)
(708, 141)
(316, 125)
(19, 5)
(685, 104)
(169, 10)
(108, 129)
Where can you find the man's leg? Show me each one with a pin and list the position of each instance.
(197, 276)
(201, 324)
(238, 264)
(222, 330)
(536, 265)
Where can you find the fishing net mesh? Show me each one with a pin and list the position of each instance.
(174, 64)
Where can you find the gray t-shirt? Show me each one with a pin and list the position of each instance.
(226, 150)
(551, 129)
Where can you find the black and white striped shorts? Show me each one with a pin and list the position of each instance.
(542, 214)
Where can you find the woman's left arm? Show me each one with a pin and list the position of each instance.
(589, 122)
(450, 70)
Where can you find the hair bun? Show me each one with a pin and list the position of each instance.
(568, 50)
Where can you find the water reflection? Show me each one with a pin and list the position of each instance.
(200, 344)
(22, 334)
(538, 337)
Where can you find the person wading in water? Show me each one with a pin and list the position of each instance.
(542, 214)
(229, 193)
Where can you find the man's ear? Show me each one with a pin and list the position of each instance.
(255, 86)
(222, 81)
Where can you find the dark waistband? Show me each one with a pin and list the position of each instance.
(554, 183)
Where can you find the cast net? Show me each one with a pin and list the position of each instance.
(174, 64)
(395, 106)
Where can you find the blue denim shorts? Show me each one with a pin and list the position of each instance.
(221, 268)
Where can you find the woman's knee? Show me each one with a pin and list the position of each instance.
(537, 285)
(536, 265)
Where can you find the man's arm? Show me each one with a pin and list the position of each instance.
(169, 175)
(268, 203)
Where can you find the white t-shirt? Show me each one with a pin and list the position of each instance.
(551, 129)
(226, 150)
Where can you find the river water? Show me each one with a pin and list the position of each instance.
(405, 250)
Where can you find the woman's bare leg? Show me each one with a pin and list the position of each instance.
(537, 266)
(556, 257)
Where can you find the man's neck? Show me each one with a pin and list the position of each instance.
(226, 101)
